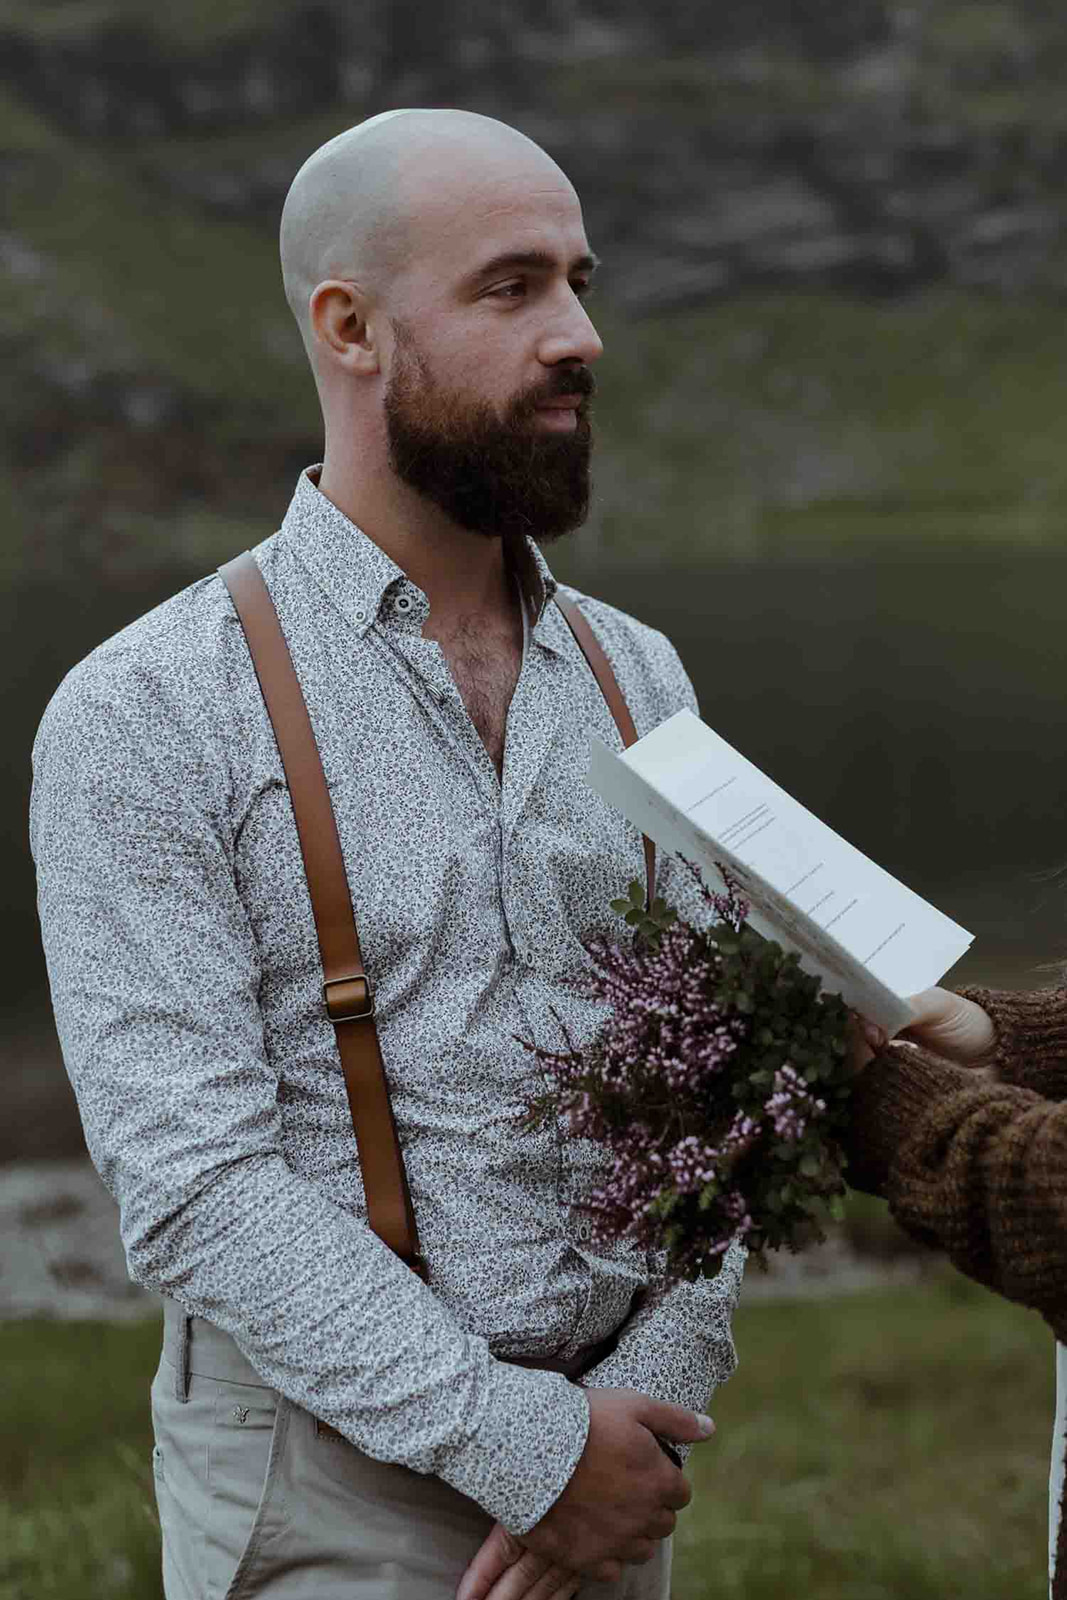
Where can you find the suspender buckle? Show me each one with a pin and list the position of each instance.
(349, 999)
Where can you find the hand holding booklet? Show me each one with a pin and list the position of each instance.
(864, 934)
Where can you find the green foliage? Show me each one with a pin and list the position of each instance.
(648, 922)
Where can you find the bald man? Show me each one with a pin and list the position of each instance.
(327, 1423)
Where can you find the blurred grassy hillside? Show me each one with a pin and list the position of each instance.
(832, 302)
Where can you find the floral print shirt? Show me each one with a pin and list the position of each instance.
(187, 992)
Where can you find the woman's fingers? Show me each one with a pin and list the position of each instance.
(952, 1027)
(865, 1040)
(534, 1578)
(498, 1552)
(503, 1569)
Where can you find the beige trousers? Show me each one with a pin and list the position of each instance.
(255, 1500)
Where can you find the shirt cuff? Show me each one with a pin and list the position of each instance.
(679, 1348)
(522, 1455)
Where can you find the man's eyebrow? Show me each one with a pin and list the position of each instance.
(538, 260)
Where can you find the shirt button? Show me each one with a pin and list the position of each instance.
(403, 602)
(361, 616)
(585, 1231)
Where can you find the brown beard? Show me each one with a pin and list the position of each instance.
(500, 477)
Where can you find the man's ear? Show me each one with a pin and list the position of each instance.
(340, 325)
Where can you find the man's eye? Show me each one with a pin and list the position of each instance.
(510, 291)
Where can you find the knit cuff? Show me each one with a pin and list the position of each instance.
(890, 1094)
(1031, 1037)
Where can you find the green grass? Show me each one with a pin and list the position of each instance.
(893, 1444)
(885, 1445)
(77, 1507)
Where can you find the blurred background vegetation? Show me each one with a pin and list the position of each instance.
(877, 1447)
(831, 464)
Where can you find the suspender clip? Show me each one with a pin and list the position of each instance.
(349, 999)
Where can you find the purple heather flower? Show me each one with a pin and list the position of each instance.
(790, 1099)
(671, 1058)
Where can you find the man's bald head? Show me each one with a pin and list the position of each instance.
(354, 208)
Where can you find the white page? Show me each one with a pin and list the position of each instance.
(869, 938)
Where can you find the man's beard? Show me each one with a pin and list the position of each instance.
(502, 477)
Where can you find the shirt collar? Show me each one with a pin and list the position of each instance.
(361, 579)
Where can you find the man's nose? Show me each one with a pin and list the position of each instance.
(570, 337)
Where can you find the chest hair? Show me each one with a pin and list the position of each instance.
(485, 665)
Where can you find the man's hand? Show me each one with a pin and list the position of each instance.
(623, 1495)
(952, 1027)
(504, 1569)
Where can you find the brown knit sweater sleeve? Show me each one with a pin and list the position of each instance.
(970, 1166)
(1031, 1029)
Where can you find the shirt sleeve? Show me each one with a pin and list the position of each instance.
(679, 1347)
(155, 976)
(969, 1166)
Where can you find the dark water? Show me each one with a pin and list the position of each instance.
(918, 704)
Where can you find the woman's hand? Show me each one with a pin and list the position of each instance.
(503, 1569)
(951, 1027)
(865, 1041)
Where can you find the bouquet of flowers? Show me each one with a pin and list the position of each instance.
(718, 1086)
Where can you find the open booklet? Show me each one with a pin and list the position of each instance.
(869, 939)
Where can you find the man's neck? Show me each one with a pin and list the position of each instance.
(463, 575)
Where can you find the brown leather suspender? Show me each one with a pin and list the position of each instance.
(346, 987)
(609, 688)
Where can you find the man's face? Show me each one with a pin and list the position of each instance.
(526, 471)
(489, 387)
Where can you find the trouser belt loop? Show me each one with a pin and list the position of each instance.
(181, 1359)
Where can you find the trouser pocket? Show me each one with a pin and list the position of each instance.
(217, 1462)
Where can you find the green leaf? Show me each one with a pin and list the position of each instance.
(634, 916)
(637, 892)
(621, 906)
(810, 1167)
